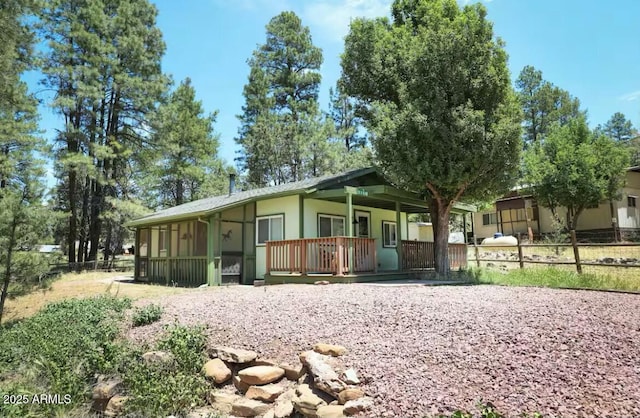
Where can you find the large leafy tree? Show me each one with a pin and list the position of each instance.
(543, 104)
(574, 169)
(103, 62)
(21, 173)
(182, 164)
(444, 117)
(281, 119)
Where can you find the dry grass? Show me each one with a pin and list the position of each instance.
(79, 285)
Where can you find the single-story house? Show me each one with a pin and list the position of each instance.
(518, 211)
(351, 226)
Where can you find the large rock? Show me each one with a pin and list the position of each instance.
(350, 377)
(106, 388)
(330, 411)
(292, 373)
(115, 407)
(233, 355)
(306, 402)
(270, 414)
(329, 349)
(265, 393)
(264, 362)
(239, 384)
(350, 394)
(358, 405)
(244, 407)
(217, 370)
(325, 378)
(260, 375)
(158, 358)
(223, 401)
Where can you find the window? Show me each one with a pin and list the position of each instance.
(270, 228)
(162, 238)
(489, 219)
(631, 201)
(389, 234)
(330, 226)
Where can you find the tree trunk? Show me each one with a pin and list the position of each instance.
(440, 219)
(7, 270)
(84, 220)
(73, 231)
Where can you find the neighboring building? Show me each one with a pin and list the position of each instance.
(423, 231)
(514, 213)
(351, 224)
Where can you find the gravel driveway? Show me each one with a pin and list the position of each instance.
(424, 350)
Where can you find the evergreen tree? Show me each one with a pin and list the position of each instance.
(619, 128)
(21, 188)
(281, 117)
(103, 61)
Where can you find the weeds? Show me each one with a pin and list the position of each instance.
(147, 315)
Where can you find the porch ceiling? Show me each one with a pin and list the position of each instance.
(387, 202)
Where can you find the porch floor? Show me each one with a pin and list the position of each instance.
(393, 277)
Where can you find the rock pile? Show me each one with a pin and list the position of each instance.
(244, 385)
(248, 386)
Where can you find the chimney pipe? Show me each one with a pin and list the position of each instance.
(232, 183)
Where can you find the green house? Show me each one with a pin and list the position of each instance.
(348, 226)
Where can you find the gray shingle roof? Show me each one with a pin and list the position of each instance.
(210, 204)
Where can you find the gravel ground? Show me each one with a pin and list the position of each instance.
(424, 350)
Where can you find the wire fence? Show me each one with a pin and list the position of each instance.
(621, 259)
(119, 264)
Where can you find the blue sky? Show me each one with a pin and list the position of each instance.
(590, 48)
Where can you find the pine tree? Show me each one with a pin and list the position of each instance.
(281, 118)
(21, 188)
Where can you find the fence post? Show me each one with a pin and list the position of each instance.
(576, 253)
(475, 247)
(520, 253)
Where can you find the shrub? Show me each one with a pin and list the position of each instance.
(58, 350)
(147, 315)
(162, 391)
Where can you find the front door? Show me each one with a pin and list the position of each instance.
(363, 224)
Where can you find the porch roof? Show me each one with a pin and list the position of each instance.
(380, 193)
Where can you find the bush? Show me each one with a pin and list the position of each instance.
(147, 315)
(58, 351)
(162, 391)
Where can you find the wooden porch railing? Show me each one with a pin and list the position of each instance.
(181, 271)
(322, 255)
(420, 255)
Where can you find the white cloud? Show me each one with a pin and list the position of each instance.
(333, 16)
(630, 96)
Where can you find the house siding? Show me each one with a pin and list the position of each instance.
(282, 205)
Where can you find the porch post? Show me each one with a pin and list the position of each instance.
(350, 229)
(399, 235)
(211, 268)
(217, 249)
(464, 226)
(167, 238)
(136, 256)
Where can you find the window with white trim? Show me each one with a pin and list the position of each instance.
(269, 228)
(489, 219)
(389, 234)
(330, 226)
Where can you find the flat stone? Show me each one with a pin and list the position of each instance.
(239, 384)
(260, 375)
(358, 405)
(350, 394)
(330, 411)
(329, 349)
(106, 388)
(264, 362)
(265, 393)
(158, 358)
(270, 414)
(233, 355)
(115, 407)
(325, 377)
(292, 373)
(223, 401)
(217, 370)
(307, 403)
(244, 407)
(350, 377)
(283, 409)
(322, 282)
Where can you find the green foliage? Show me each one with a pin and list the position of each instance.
(161, 391)
(283, 135)
(436, 93)
(543, 105)
(574, 169)
(58, 351)
(619, 128)
(486, 410)
(555, 278)
(147, 315)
